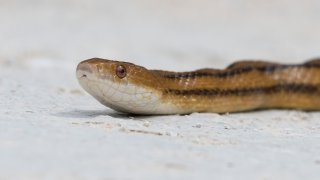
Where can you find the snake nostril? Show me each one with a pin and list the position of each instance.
(84, 75)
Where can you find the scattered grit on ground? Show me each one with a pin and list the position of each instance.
(51, 129)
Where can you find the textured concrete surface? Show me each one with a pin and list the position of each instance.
(51, 129)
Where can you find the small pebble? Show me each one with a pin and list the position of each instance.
(173, 134)
(146, 123)
(197, 126)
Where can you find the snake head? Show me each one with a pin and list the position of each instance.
(119, 85)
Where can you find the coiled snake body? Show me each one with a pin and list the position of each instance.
(242, 86)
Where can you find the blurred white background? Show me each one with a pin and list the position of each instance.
(184, 34)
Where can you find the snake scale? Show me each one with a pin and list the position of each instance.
(242, 86)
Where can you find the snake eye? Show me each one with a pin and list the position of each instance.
(121, 71)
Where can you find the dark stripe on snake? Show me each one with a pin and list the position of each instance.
(229, 72)
(289, 88)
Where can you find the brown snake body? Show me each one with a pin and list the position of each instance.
(242, 86)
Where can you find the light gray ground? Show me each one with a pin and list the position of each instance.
(51, 129)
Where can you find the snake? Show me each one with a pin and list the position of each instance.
(243, 86)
